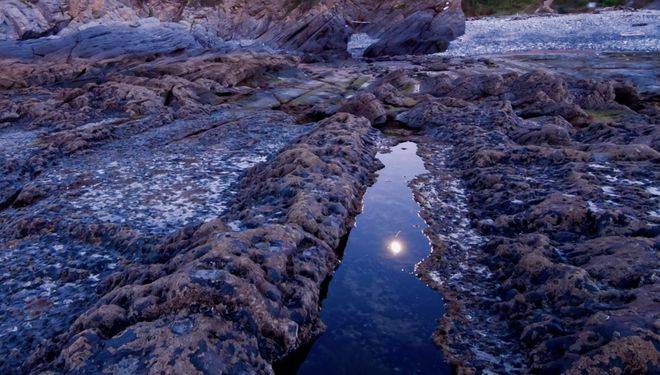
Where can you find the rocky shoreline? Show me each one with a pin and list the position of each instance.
(556, 272)
(234, 301)
(105, 174)
(171, 204)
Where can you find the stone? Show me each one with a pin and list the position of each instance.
(323, 36)
(105, 42)
(422, 115)
(366, 105)
(28, 195)
(226, 306)
(423, 32)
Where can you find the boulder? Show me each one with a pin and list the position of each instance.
(594, 94)
(528, 85)
(469, 87)
(28, 20)
(422, 115)
(324, 36)
(423, 32)
(544, 131)
(396, 89)
(540, 93)
(366, 105)
(609, 152)
(105, 42)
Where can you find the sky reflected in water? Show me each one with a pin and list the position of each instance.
(379, 316)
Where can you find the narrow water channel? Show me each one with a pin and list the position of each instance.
(379, 316)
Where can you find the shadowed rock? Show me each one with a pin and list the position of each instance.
(103, 42)
(319, 29)
(323, 36)
(421, 33)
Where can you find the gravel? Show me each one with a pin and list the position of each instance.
(607, 31)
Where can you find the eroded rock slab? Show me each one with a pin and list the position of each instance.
(243, 298)
(104, 162)
(530, 205)
(421, 33)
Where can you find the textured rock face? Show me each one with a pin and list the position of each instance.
(324, 36)
(34, 19)
(235, 301)
(368, 106)
(168, 204)
(421, 33)
(321, 28)
(106, 161)
(531, 198)
(106, 42)
(98, 171)
(117, 160)
(24, 20)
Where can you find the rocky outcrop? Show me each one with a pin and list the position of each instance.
(102, 160)
(421, 33)
(538, 182)
(320, 37)
(28, 20)
(34, 19)
(552, 210)
(320, 29)
(234, 301)
(168, 206)
(106, 42)
(368, 106)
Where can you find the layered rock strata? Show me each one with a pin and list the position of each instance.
(320, 29)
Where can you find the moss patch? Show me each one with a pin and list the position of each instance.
(607, 116)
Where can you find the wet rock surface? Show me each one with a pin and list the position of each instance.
(236, 298)
(174, 203)
(109, 162)
(544, 226)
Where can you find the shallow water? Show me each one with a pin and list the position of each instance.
(379, 316)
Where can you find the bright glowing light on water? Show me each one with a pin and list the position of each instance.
(395, 247)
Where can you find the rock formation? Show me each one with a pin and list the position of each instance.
(173, 196)
(234, 302)
(565, 229)
(320, 28)
(421, 33)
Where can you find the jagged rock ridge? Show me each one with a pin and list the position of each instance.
(314, 27)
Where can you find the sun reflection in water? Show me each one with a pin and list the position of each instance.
(395, 247)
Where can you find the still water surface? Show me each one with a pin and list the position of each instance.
(379, 316)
